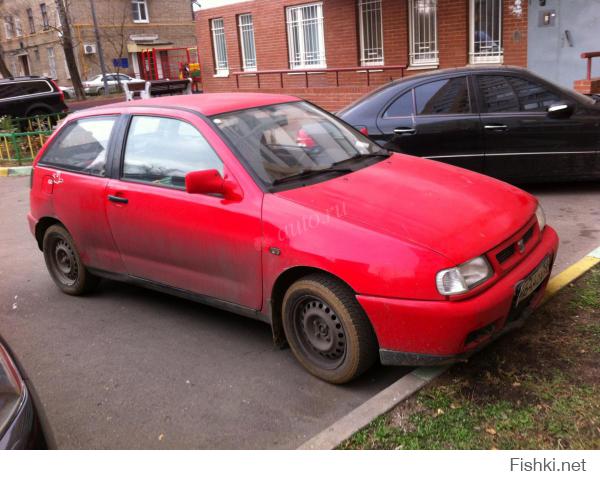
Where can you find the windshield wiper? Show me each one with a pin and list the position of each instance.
(309, 172)
(363, 156)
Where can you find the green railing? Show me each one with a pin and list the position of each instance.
(22, 138)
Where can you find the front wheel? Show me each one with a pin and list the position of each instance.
(64, 264)
(327, 330)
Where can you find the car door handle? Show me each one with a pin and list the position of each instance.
(404, 131)
(497, 126)
(114, 198)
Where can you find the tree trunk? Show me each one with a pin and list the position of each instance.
(67, 42)
(3, 68)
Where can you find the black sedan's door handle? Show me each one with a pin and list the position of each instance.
(114, 198)
(496, 126)
(404, 131)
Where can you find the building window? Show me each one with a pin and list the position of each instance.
(18, 27)
(220, 47)
(423, 32)
(371, 32)
(306, 40)
(247, 42)
(45, 21)
(139, 10)
(31, 20)
(486, 35)
(9, 27)
(51, 62)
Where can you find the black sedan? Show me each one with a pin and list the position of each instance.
(502, 121)
(21, 425)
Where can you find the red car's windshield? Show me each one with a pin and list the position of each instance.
(284, 140)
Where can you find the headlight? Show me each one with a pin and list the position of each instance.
(12, 390)
(541, 217)
(464, 277)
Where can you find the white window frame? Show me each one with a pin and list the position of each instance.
(482, 57)
(9, 27)
(45, 18)
(247, 43)
(219, 51)
(51, 62)
(418, 57)
(136, 4)
(299, 60)
(18, 27)
(371, 32)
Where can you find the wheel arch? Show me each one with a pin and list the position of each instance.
(41, 226)
(280, 286)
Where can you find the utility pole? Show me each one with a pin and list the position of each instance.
(99, 45)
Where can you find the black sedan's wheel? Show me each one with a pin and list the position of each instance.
(327, 330)
(64, 264)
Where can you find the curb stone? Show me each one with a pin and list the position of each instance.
(15, 171)
(409, 384)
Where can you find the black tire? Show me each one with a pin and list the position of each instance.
(327, 330)
(64, 263)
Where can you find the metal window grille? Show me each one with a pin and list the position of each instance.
(486, 34)
(423, 32)
(246, 27)
(306, 41)
(371, 33)
(51, 62)
(219, 45)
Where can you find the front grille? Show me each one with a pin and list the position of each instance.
(509, 251)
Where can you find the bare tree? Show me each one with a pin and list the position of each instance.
(67, 43)
(3, 67)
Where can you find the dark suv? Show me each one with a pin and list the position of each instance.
(29, 96)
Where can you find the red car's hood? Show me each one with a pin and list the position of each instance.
(455, 212)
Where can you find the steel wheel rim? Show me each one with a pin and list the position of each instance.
(320, 333)
(65, 262)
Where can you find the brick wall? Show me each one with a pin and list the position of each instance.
(342, 46)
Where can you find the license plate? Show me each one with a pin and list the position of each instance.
(527, 286)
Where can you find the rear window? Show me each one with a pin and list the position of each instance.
(17, 89)
(82, 145)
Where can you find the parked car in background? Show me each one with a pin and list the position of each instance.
(269, 207)
(69, 92)
(502, 121)
(29, 96)
(20, 420)
(95, 85)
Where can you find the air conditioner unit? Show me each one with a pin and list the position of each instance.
(89, 48)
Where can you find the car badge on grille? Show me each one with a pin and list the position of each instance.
(521, 245)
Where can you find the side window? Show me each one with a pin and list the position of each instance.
(449, 96)
(162, 151)
(401, 107)
(82, 146)
(533, 97)
(497, 94)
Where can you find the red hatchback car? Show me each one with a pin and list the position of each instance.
(267, 206)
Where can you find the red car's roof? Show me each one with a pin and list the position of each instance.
(211, 103)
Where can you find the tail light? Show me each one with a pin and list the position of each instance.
(303, 139)
(12, 390)
(62, 94)
(363, 130)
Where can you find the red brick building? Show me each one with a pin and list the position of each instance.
(333, 51)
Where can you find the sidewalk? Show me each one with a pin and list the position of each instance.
(96, 101)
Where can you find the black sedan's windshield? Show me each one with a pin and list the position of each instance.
(292, 140)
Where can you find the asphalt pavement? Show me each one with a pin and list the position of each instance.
(132, 368)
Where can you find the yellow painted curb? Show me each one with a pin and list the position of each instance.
(3, 171)
(571, 273)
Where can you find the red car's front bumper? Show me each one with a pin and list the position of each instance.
(414, 332)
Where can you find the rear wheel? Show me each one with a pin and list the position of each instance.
(64, 264)
(327, 330)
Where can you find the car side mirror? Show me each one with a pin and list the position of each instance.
(205, 181)
(211, 182)
(560, 110)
